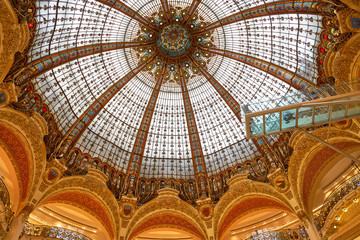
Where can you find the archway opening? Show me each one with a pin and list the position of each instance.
(165, 234)
(333, 192)
(9, 179)
(63, 216)
(262, 222)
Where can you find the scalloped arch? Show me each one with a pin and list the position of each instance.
(310, 157)
(245, 206)
(167, 219)
(90, 194)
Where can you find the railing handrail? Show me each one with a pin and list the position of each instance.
(352, 88)
(334, 193)
(52, 232)
(5, 199)
(337, 188)
(302, 234)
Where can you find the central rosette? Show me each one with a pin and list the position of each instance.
(174, 40)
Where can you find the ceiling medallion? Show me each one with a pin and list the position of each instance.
(174, 40)
(174, 43)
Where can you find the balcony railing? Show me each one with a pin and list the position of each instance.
(52, 232)
(5, 199)
(302, 109)
(336, 196)
(283, 234)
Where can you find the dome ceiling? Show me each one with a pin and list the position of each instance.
(155, 88)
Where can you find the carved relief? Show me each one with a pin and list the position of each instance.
(166, 203)
(96, 191)
(241, 189)
(13, 37)
(31, 133)
(306, 148)
(345, 60)
(128, 206)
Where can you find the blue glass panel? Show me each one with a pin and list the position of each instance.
(272, 122)
(322, 114)
(305, 116)
(288, 119)
(338, 112)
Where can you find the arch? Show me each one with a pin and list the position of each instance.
(323, 161)
(167, 219)
(9, 177)
(19, 138)
(71, 217)
(260, 221)
(90, 194)
(310, 158)
(347, 228)
(245, 206)
(243, 197)
(167, 203)
(166, 233)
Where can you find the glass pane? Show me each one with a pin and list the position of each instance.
(272, 122)
(256, 125)
(338, 111)
(305, 116)
(322, 114)
(354, 109)
(288, 119)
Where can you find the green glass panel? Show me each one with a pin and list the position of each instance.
(305, 116)
(338, 112)
(256, 126)
(354, 110)
(322, 114)
(288, 119)
(272, 122)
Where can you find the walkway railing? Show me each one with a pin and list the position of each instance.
(301, 110)
(5, 199)
(336, 196)
(52, 232)
(283, 234)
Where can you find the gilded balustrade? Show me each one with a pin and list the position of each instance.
(283, 234)
(336, 196)
(52, 232)
(5, 199)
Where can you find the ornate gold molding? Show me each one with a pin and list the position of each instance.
(354, 4)
(305, 149)
(89, 186)
(14, 37)
(240, 189)
(30, 130)
(345, 60)
(167, 202)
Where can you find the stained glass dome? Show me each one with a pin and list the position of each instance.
(154, 89)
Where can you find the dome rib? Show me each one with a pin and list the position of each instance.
(193, 7)
(277, 8)
(230, 101)
(199, 165)
(289, 77)
(137, 153)
(49, 62)
(116, 4)
(78, 128)
(165, 5)
(189, 127)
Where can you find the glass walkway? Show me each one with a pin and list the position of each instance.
(329, 104)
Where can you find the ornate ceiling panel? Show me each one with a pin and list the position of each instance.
(279, 38)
